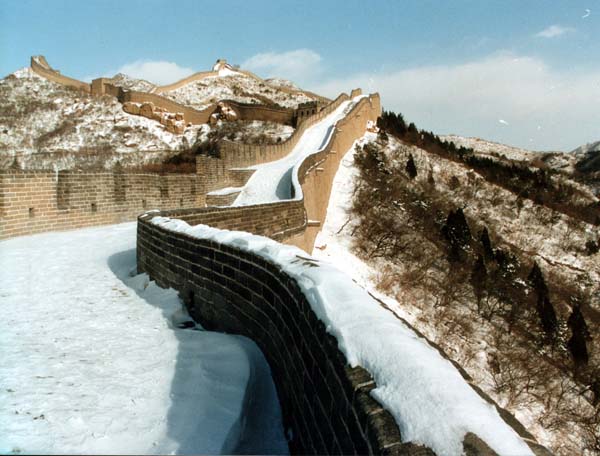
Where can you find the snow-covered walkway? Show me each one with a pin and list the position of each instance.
(272, 181)
(92, 360)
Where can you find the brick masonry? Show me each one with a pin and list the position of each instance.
(35, 202)
(325, 402)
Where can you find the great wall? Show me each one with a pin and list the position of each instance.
(325, 402)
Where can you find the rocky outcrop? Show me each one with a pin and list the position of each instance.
(223, 112)
(173, 122)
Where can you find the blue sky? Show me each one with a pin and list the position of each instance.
(525, 73)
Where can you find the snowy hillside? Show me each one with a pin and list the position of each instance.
(491, 148)
(581, 164)
(44, 125)
(99, 360)
(410, 271)
(129, 83)
(590, 147)
(41, 122)
(233, 86)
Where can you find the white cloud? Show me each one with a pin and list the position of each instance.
(469, 98)
(300, 65)
(159, 72)
(553, 31)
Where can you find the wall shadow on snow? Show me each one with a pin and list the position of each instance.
(257, 427)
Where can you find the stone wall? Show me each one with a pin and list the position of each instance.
(325, 403)
(34, 202)
(178, 84)
(238, 155)
(190, 115)
(248, 111)
(317, 172)
(278, 221)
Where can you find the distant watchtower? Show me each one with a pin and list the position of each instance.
(306, 110)
(221, 65)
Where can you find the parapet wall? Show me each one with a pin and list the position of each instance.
(325, 403)
(185, 81)
(34, 202)
(279, 221)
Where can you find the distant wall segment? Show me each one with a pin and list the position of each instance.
(40, 66)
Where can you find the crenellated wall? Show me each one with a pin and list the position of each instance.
(34, 202)
(250, 111)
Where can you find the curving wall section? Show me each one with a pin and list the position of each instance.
(237, 155)
(325, 403)
(190, 115)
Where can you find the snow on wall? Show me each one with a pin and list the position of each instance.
(438, 413)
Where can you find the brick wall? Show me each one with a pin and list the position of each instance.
(278, 221)
(317, 172)
(325, 402)
(34, 202)
(194, 77)
(238, 155)
(249, 111)
(192, 115)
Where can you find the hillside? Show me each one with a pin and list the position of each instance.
(237, 86)
(581, 164)
(45, 125)
(394, 231)
(587, 165)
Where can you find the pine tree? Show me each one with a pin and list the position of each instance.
(457, 233)
(411, 169)
(486, 243)
(547, 316)
(544, 307)
(430, 178)
(479, 279)
(579, 334)
(536, 279)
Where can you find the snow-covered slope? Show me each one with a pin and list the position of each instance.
(40, 120)
(93, 360)
(589, 147)
(44, 125)
(415, 286)
(491, 148)
(129, 83)
(233, 86)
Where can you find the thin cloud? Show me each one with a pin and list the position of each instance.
(159, 72)
(299, 65)
(553, 31)
(548, 109)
